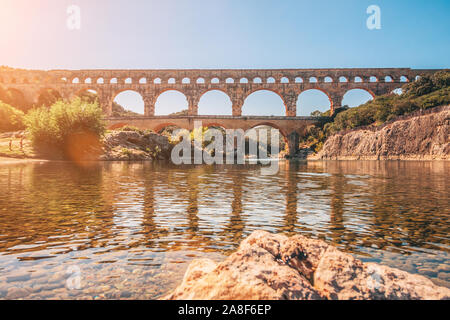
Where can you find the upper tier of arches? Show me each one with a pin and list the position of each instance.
(189, 77)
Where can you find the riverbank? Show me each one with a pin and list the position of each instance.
(272, 267)
(416, 137)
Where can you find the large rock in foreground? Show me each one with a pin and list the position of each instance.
(269, 266)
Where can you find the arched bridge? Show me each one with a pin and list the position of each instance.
(291, 128)
(238, 84)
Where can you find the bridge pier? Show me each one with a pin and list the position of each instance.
(149, 105)
(293, 141)
(336, 102)
(106, 102)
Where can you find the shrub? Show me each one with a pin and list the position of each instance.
(73, 128)
(11, 119)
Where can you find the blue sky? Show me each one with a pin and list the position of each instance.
(225, 34)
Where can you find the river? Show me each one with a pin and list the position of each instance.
(129, 230)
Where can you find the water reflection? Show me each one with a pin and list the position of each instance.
(130, 225)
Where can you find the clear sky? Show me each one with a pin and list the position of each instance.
(225, 34)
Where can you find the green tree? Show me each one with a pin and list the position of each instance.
(11, 119)
(72, 128)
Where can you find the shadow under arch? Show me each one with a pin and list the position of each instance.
(283, 134)
(163, 126)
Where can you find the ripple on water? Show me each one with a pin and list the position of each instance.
(129, 230)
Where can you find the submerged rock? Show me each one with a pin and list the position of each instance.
(270, 266)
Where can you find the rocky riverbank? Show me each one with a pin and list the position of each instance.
(272, 267)
(135, 145)
(422, 137)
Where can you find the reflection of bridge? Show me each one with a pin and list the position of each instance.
(290, 127)
(237, 84)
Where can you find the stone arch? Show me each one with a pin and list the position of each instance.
(214, 124)
(397, 91)
(88, 93)
(75, 80)
(19, 99)
(404, 79)
(48, 96)
(267, 90)
(200, 80)
(313, 80)
(100, 80)
(388, 78)
(186, 80)
(113, 80)
(270, 80)
(298, 80)
(243, 80)
(116, 126)
(229, 80)
(88, 80)
(171, 100)
(160, 127)
(171, 81)
(128, 80)
(373, 79)
(357, 79)
(157, 81)
(215, 80)
(257, 80)
(358, 92)
(313, 97)
(284, 135)
(228, 108)
(269, 124)
(143, 80)
(128, 95)
(284, 80)
(343, 79)
(328, 79)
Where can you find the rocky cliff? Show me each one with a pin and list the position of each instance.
(421, 137)
(271, 267)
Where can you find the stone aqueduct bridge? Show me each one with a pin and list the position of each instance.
(237, 84)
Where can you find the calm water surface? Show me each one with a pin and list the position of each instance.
(129, 230)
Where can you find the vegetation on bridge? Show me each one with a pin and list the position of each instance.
(427, 92)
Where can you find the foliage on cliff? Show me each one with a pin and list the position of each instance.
(11, 119)
(68, 128)
(426, 92)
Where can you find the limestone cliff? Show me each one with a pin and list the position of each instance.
(421, 137)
